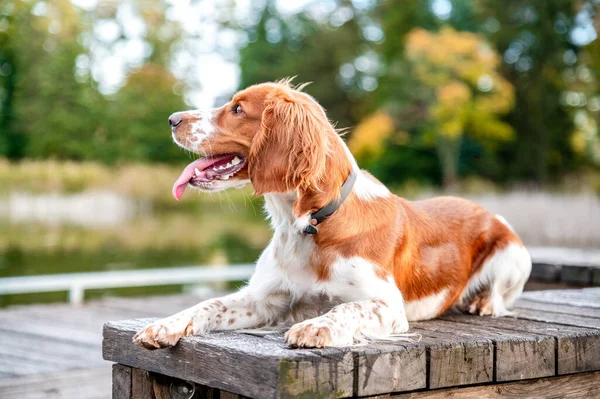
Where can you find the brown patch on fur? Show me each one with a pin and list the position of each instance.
(248, 313)
(231, 321)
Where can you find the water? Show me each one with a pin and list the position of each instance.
(48, 234)
(100, 230)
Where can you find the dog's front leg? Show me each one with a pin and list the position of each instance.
(242, 309)
(342, 325)
(255, 305)
(372, 307)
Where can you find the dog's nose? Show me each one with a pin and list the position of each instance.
(175, 119)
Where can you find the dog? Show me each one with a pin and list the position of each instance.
(348, 260)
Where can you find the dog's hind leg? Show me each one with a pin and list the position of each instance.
(495, 287)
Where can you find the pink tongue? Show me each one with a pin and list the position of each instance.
(186, 175)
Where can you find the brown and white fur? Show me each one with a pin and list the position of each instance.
(377, 263)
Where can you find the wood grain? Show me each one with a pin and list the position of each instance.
(141, 384)
(121, 382)
(454, 359)
(557, 308)
(568, 387)
(234, 362)
(554, 333)
(517, 355)
(384, 367)
(576, 346)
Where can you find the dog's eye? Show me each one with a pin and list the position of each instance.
(237, 109)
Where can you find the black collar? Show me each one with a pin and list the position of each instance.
(328, 210)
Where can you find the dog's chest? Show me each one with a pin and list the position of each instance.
(294, 256)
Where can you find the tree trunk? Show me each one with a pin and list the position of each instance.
(448, 153)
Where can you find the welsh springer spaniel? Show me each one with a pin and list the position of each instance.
(348, 259)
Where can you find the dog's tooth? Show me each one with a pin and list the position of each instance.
(215, 168)
(228, 165)
(196, 172)
(235, 161)
(221, 167)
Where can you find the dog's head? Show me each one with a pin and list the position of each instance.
(271, 134)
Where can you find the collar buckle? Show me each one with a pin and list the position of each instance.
(328, 210)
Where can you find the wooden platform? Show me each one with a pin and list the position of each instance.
(54, 351)
(556, 333)
(578, 267)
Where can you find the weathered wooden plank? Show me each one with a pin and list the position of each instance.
(141, 384)
(454, 360)
(558, 318)
(80, 384)
(237, 363)
(121, 382)
(60, 352)
(386, 367)
(49, 330)
(596, 277)
(518, 355)
(587, 297)
(577, 347)
(27, 365)
(204, 392)
(576, 275)
(307, 377)
(557, 308)
(157, 306)
(575, 386)
(545, 272)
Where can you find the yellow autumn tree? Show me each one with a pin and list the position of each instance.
(467, 91)
(368, 138)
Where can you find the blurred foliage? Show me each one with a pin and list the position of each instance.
(298, 45)
(52, 108)
(466, 91)
(432, 91)
(138, 181)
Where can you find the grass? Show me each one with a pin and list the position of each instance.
(152, 182)
(564, 214)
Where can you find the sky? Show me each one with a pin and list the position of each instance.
(209, 65)
(215, 73)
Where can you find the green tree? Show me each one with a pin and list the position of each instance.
(47, 112)
(314, 51)
(467, 94)
(533, 38)
(138, 115)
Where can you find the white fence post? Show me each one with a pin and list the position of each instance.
(76, 294)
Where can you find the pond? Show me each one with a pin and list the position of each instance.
(88, 231)
(49, 234)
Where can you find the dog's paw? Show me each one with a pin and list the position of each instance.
(310, 334)
(164, 333)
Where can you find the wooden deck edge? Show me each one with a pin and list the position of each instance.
(582, 385)
(240, 364)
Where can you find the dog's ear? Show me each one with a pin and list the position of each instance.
(290, 151)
